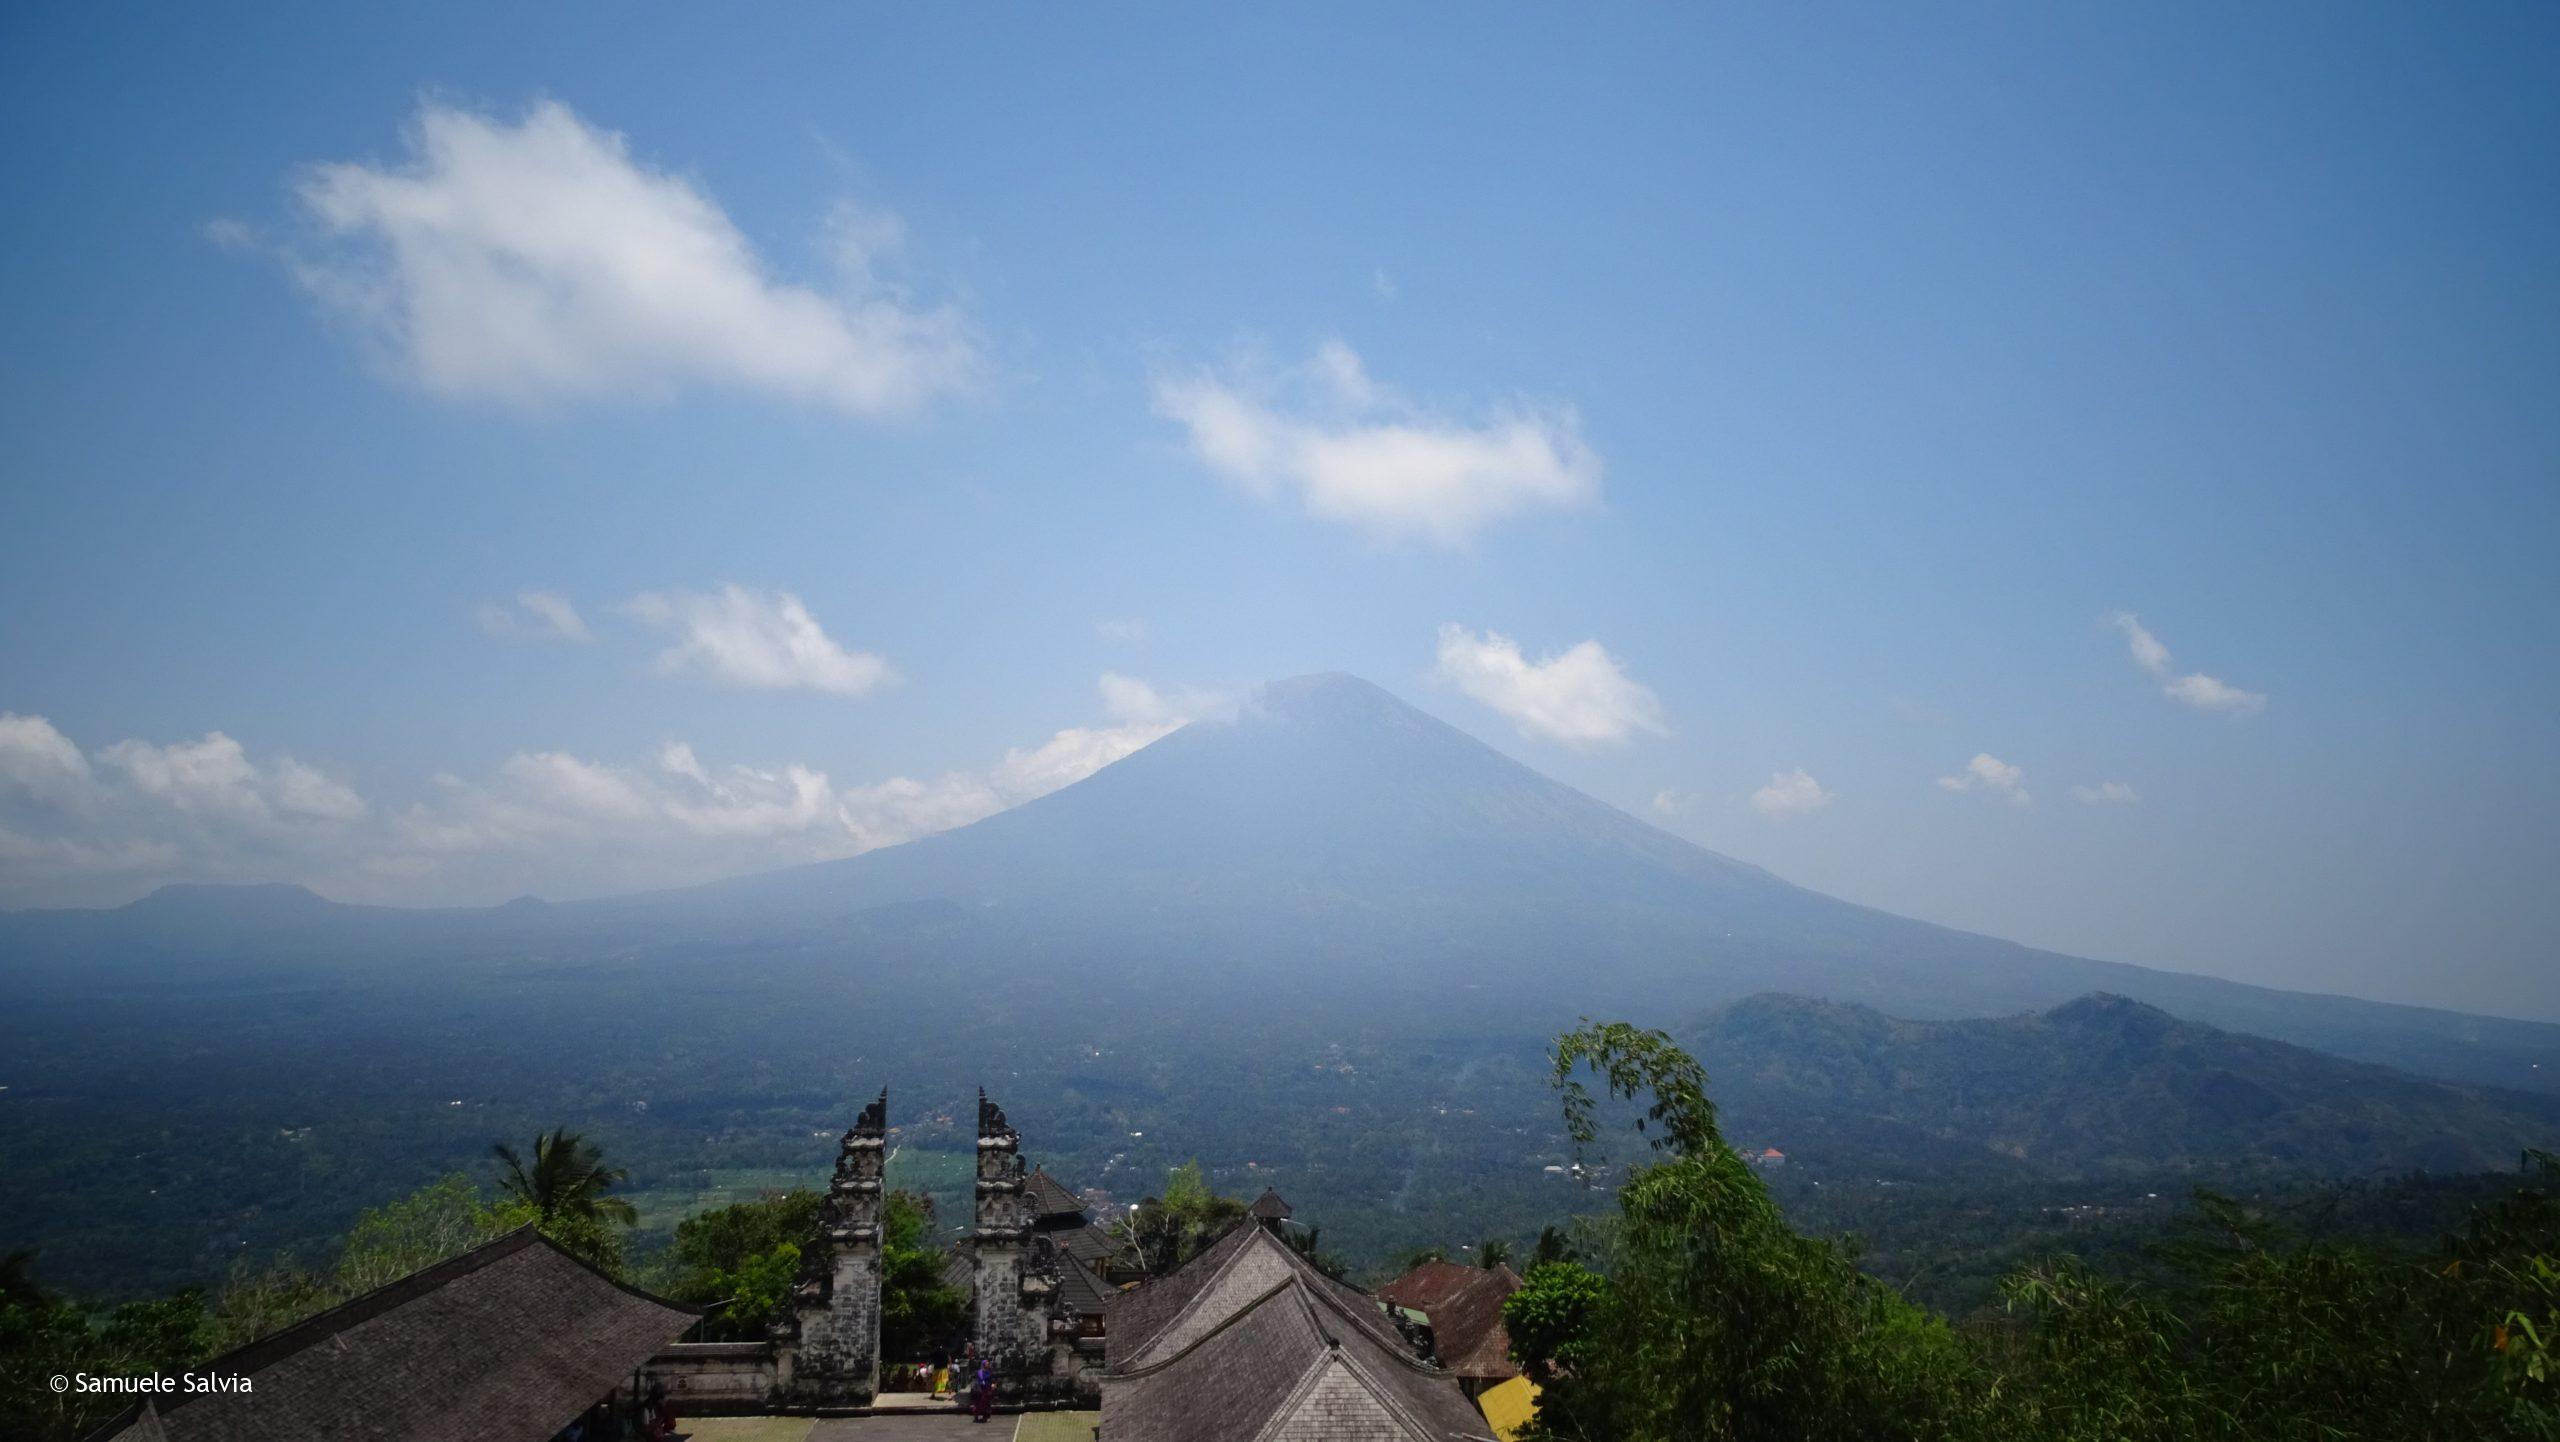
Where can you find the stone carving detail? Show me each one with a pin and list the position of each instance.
(828, 1353)
(834, 1332)
(1022, 1332)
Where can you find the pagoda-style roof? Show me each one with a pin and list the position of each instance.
(508, 1342)
(1269, 1207)
(1050, 1199)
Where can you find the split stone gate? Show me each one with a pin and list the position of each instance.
(828, 1352)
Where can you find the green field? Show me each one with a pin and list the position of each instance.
(661, 1207)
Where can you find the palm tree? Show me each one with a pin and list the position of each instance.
(568, 1179)
(1552, 1247)
(1492, 1253)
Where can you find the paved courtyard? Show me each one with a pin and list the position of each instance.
(953, 1426)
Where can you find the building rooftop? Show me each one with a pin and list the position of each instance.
(1248, 1339)
(1051, 1201)
(507, 1342)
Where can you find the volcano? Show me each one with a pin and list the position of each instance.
(1335, 838)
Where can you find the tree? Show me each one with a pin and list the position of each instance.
(389, 1242)
(1165, 1231)
(919, 1311)
(2251, 1331)
(1308, 1242)
(568, 1179)
(1492, 1252)
(1718, 1321)
(1552, 1246)
(1551, 1320)
(563, 1194)
(745, 1257)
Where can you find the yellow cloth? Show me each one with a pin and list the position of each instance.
(1509, 1405)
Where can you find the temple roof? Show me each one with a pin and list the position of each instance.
(1429, 1284)
(1467, 1332)
(1269, 1207)
(1082, 1288)
(1050, 1198)
(1088, 1244)
(1248, 1339)
(510, 1340)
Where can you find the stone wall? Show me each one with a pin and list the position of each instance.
(717, 1378)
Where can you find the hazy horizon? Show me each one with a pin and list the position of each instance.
(2082, 479)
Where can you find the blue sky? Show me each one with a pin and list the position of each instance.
(919, 407)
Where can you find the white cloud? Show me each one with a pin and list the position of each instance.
(2106, 793)
(39, 763)
(680, 819)
(2205, 693)
(757, 640)
(1988, 773)
(101, 827)
(538, 259)
(1579, 696)
(535, 615)
(1670, 801)
(203, 809)
(214, 776)
(1350, 450)
(1790, 793)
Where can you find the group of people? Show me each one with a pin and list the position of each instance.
(649, 1416)
(969, 1378)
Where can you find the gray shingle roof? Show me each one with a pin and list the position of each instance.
(1084, 1292)
(507, 1341)
(1247, 1337)
(1050, 1198)
(1142, 1311)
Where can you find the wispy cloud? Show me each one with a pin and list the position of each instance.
(1350, 450)
(538, 259)
(1580, 696)
(131, 809)
(1991, 775)
(2205, 693)
(1790, 793)
(96, 826)
(1670, 801)
(756, 640)
(2106, 793)
(535, 615)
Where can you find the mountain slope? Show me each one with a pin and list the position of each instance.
(1329, 848)
(1337, 834)
(2098, 1084)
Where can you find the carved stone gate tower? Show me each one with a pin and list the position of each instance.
(835, 1326)
(998, 1246)
(1018, 1328)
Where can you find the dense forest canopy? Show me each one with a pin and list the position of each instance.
(1685, 1306)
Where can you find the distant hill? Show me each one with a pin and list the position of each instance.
(2099, 1084)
